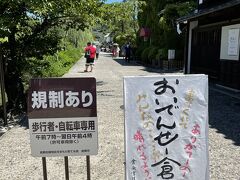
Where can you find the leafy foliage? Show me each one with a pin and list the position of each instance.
(120, 19)
(144, 55)
(72, 47)
(34, 29)
(152, 53)
(162, 54)
(160, 17)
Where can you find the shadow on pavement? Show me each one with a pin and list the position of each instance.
(18, 120)
(24, 122)
(122, 62)
(224, 115)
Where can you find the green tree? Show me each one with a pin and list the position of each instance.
(32, 28)
(160, 18)
(120, 19)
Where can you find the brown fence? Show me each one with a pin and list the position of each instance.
(172, 64)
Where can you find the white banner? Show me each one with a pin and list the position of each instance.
(166, 127)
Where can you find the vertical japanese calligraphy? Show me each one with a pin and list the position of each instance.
(189, 148)
(142, 155)
(187, 105)
(166, 135)
(143, 109)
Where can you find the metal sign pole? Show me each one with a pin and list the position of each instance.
(66, 167)
(44, 168)
(88, 168)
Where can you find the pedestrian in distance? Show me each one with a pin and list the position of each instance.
(117, 51)
(113, 51)
(123, 51)
(97, 51)
(127, 52)
(90, 52)
(94, 45)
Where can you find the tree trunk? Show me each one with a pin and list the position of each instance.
(13, 82)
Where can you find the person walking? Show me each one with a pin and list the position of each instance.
(113, 51)
(127, 52)
(123, 51)
(97, 51)
(117, 51)
(90, 52)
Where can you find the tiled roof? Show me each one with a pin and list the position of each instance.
(206, 11)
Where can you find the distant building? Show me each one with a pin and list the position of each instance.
(108, 38)
(212, 45)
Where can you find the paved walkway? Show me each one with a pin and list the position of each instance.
(16, 163)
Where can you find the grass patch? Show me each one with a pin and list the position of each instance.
(60, 63)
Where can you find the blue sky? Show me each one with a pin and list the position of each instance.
(112, 1)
